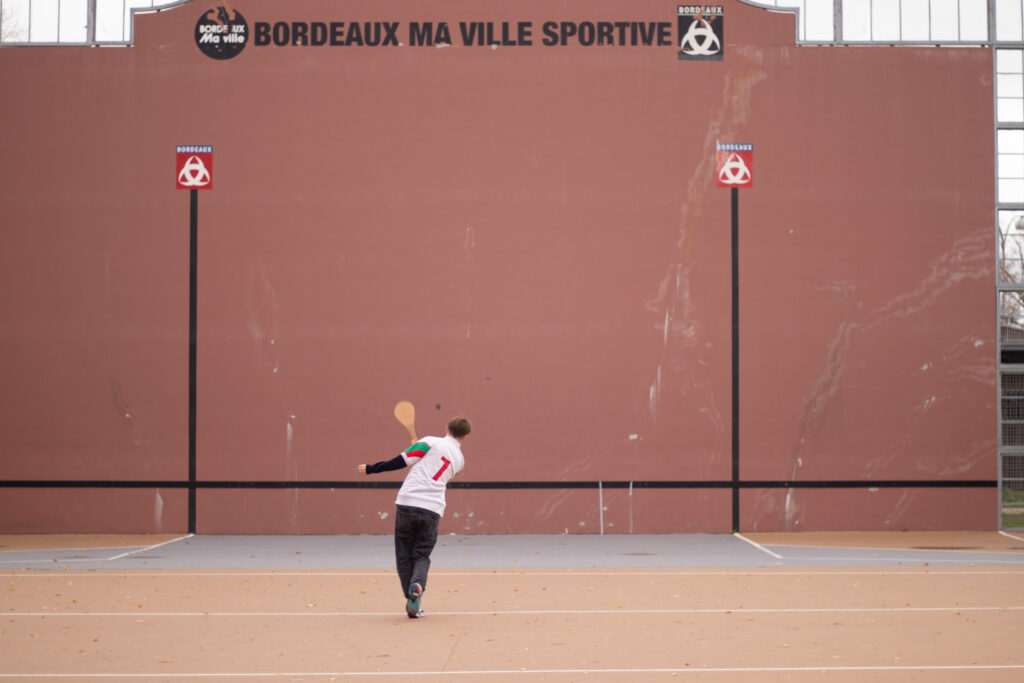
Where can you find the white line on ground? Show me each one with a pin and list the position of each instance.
(151, 547)
(61, 560)
(528, 672)
(758, 546)
(534, 612)
(572, 573)
(880, 549)
(1016, 538)
(53, 561)
(8, 551)
(902, 561)
(913, 561)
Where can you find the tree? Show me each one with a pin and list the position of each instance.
(10, 28)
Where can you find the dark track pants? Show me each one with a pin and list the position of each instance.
(415, 537)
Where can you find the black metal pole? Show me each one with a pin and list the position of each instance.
(735, 359)
(192, 306)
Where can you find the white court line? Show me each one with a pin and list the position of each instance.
(535, 612)
(568, 573)
(528, 672)
(877, 549)
(53, 561)
(758, 546)
(934, 562)
(142, 550)
(1016, 538)
(60, 560)
(930, 561)
(62, 550)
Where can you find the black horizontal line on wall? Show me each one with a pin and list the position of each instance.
(826, 484)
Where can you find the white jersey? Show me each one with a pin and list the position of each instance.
(434, 461)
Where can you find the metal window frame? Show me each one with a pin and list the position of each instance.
(794, 7)
(1004, 451)
(128, 26)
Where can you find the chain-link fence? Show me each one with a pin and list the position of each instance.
(1011, 438)
(1011, 492)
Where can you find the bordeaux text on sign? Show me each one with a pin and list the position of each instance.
(194, 167)
(734, 164)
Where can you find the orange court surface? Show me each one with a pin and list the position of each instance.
(881, 606)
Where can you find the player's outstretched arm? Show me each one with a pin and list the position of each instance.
(396, 463)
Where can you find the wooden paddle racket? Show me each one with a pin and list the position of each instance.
(405, 413)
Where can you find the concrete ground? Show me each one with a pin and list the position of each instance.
(753, 550)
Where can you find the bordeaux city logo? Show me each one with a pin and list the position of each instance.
(701, 32)
(222, 33)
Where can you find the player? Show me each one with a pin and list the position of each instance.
(433, 461)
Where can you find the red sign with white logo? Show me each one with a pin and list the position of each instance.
(194, 167)
(734, 164)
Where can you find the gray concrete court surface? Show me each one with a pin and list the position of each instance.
(668, 551)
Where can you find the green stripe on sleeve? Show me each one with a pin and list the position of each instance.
(417, 449)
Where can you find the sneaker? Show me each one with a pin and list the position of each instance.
(412, 605)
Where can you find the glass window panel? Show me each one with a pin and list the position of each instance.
(820, 21)
(1010, 109)
(44, 16)
(1009, 61)
(1010, 272)
(1009, 221)
(914, 19)
(856, 20)
(1011, 165)
(1011, 191)
(1009, 85)
(974, 20)
(110, 21)
(74, 15)
(15, 21)
(1008, 20)
(1010, 249)
(885, 21)
(945, 21)
(1010, 141)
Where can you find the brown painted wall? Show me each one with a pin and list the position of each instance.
(528, 235)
